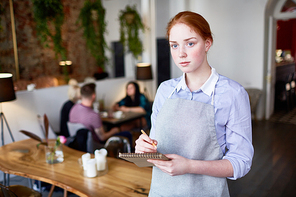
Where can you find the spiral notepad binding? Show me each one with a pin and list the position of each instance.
(140, 159)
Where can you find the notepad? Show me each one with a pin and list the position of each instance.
(140, 159)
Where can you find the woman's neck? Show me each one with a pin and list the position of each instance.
(195, 80)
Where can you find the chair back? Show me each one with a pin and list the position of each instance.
(5, 192)
(91, 144)
(74, 127)
(17, 190)
(116, 144)
(254, 96)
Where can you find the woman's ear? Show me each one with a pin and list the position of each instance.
(208, 44)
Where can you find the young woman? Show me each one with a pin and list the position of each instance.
(134, 101)
(201, 120)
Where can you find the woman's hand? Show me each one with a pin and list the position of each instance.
(178, 165)
(115, 107)
(144, 144)
(124, 108)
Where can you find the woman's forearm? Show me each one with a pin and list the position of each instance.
(216, 168)
(136, 109)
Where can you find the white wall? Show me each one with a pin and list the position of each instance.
(21, 114)
(238, 28)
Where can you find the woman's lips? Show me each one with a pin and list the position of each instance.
(184, 63)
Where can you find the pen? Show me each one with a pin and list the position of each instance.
(148, 136)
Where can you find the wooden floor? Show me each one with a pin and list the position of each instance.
(273, 171)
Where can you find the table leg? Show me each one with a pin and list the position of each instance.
(51, 190)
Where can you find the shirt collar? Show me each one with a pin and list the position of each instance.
(182, 84)
(207, 87)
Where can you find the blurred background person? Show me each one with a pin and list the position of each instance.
(134, 101)
(74, 96)
(83, 113)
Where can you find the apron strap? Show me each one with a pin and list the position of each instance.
(173, 91)
(212, 102)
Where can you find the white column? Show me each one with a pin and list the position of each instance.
(149, 42)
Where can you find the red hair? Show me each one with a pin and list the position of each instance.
(193, 20)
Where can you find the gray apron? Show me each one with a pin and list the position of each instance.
(186, 128)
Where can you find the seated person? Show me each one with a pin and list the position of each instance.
(83, 113)
(74, 96)
(134, 101)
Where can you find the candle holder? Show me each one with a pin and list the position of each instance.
(98, 173)
(93, 167)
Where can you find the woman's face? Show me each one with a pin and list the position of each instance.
(188, 48)
(131, 90)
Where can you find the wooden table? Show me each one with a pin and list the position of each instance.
(22, 158)
(127, 117)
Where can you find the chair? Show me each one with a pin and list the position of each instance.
(17, 191)
(254, 95)
(73, 129)
(116, 144)
(78, 129)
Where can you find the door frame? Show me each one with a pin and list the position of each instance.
(272, 14)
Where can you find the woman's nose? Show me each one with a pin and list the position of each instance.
(182, 52)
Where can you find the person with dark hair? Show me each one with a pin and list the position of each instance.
(83, 113)
(134, 101)
(201, 121)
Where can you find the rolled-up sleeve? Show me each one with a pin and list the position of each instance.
(238, 129)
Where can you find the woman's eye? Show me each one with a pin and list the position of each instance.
(174, 46)
(190, 44)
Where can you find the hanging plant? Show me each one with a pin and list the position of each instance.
(130, 25)
(48, 12)
(92, 19)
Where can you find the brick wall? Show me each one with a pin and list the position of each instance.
(34, 59)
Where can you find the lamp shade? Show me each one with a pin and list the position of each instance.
(6, 87)
(144, 71)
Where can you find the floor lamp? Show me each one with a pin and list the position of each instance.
(6, 94)
(144, 73)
